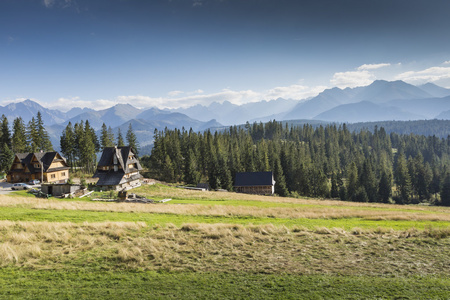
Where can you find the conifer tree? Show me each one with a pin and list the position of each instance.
(89, 146)
(352, 182)
(6, 157)
(334, 192)
(368, 181)
(67, 144)
(132, 140)
(120, 142)
(106, 140)
(33, 140)
(385, 188)
(5, 137)
(42, 139)
(168, 174)
(19, 139)
(111, 136)
(192, 174)
(280, 181)
(403, 179)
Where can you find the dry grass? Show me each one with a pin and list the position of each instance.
(225, 247)
(161, 191)
(312, 212)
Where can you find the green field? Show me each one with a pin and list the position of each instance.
(221, 246)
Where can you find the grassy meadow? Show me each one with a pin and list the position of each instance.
(221, 246)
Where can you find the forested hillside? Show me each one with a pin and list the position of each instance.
(328, 161)
(438, 128)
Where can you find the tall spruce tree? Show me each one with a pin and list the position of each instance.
(120, 141)
(67, 144)
(106, 137)
(42, 139)
(19, 138)
(89, 148)
(385, 187)
(5, 138)
(132, 140)
(280, 180)
(403, 179)
(6, 157)
(6, 154)
(352, 181)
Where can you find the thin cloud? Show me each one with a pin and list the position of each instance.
(61, 3)
(49, 3)
(432, 74)
(373, 66)
(295, 91)
(174, 93)
(362, 76)
(352, 79)
(179, 99)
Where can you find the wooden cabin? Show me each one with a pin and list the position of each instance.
(118, 169)
(260, 183)
(48, 167)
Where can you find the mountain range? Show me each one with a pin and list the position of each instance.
(379, 101)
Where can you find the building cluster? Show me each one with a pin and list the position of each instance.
(118, 169)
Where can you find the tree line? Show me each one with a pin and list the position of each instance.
(325, 161)
(31, 137)
(79, 143)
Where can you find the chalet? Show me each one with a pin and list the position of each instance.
(118, 169)
(48, 167)
(261, 183)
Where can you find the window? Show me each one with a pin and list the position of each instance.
(52, 176)
(36, 166)
(63, 173)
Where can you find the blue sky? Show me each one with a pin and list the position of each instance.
(172, 53)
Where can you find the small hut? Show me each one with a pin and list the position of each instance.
(260, 183)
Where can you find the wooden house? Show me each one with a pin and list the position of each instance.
(118, 169)
(48, 167)
(260, 183)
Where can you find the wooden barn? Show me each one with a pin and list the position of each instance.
(48, 167)
(118, 169)
(260, 183)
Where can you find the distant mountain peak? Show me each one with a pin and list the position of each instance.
(435, 90)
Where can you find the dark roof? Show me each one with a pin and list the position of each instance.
(109, 178)
(122, 154)
(254, 179)
(114, 178)
(44, 158)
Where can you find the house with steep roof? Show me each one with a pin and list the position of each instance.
(118, 169)
(260, 183)
(48, 167)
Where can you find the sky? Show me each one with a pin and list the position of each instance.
(180, 53)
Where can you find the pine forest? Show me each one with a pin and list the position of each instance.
(325, 161)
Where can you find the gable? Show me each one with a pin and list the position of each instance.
(123, 157)
(31, 162)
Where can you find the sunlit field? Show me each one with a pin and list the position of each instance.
(221, 245)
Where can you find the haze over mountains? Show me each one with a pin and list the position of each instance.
(380, 101)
